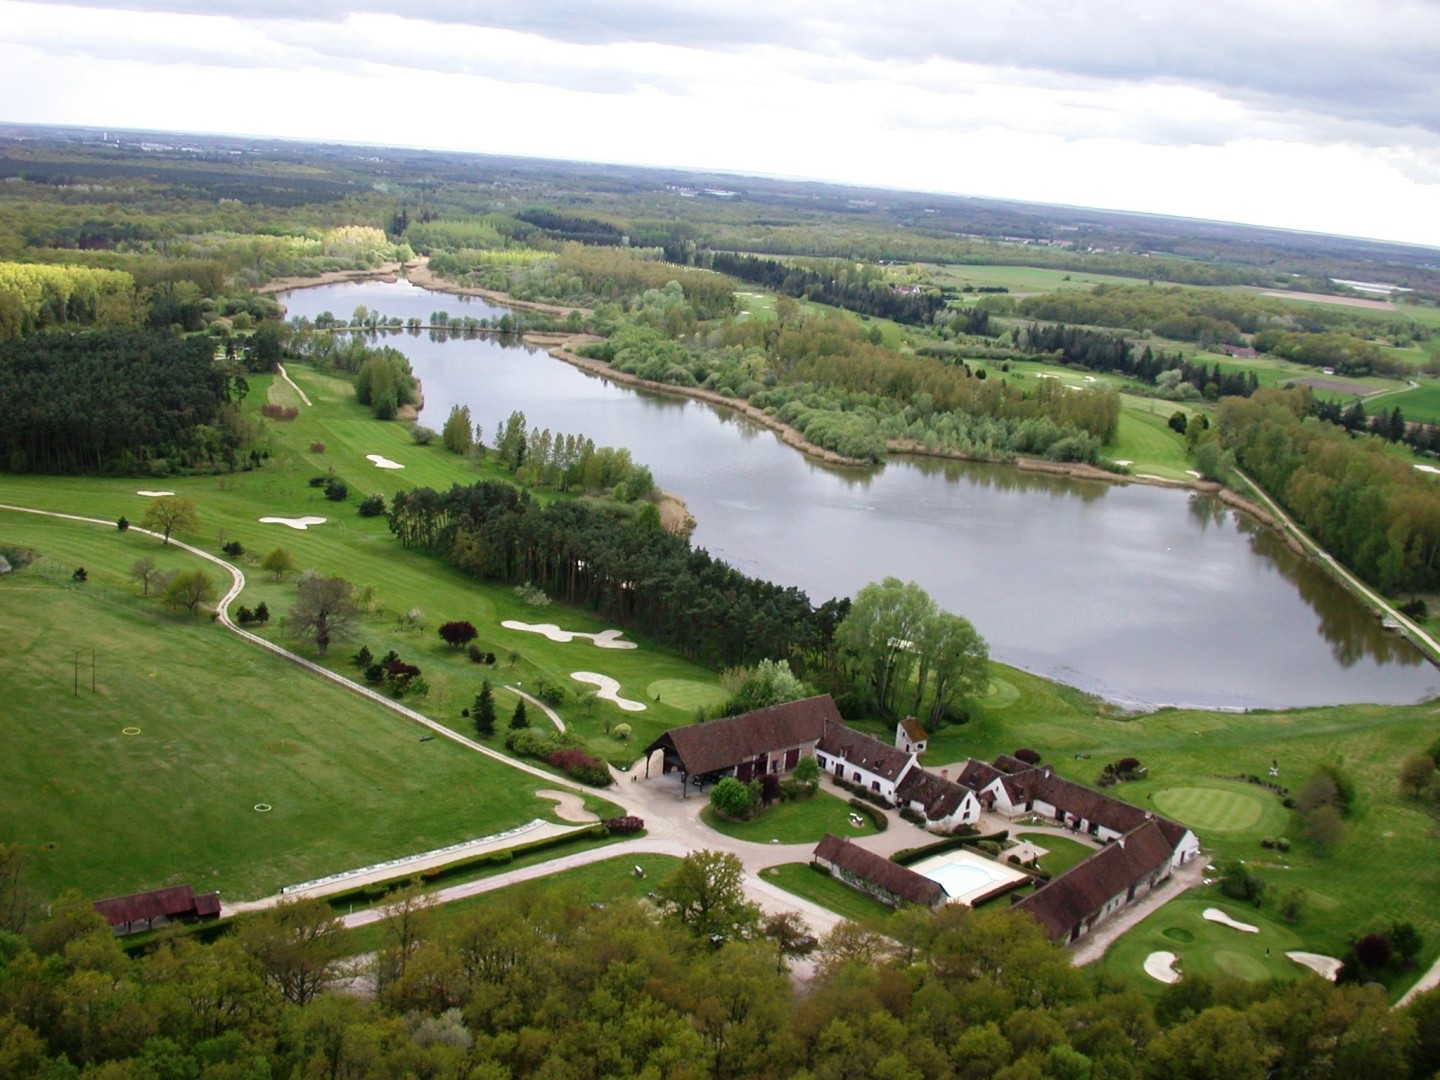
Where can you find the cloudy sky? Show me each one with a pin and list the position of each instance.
(1316, 115)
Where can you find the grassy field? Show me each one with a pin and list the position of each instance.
(1023, 280)
(601, 882)
(800, 822)
(1206, 948)
(225, 726)
(152, 777)
(800, 879)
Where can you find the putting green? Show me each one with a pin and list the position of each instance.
(1240, 965)
(684, 693)
(1207, 809)
(1000, 694)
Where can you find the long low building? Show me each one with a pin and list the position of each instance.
(748, 746)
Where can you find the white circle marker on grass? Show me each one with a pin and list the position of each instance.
(383, 462)
(609, 690)
(262, 807)
(301, 523)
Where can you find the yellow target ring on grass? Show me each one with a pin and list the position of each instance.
(130, 731)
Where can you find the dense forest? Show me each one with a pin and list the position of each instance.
(121, 401)
(1374, 511)
(692, 985)
(833, 286)
(594, 557)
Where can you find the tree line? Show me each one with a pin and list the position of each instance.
(693, 984)
(594, 558)
(1374, 511)
(830, 286)
(1098, 350)
(117, 401)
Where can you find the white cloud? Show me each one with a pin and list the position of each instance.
(1316, 115)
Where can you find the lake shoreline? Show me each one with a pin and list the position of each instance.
(561, 345)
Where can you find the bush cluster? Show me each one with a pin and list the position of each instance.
(625, 825)
(261, 615)
(279, 412)
(580, 765)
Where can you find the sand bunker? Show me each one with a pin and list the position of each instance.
(301, 523)
(1214, 914)
(605, 639)
(568, 806)
(1422, 468)
(1326, 966)
(1161, 965)
(154, 494)
(609, 690)
(383, 462)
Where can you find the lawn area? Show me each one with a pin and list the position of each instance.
(225, 726)
(802, 821)
(1061, 853)
(822, 889)
(397, 581)
(1205, 948)
(1022, 280)
(602, 882)
(153, 777)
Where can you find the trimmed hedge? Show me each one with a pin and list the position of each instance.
(906, 856)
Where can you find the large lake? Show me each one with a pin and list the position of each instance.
(1145, 595)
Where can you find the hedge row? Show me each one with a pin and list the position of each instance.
(906, 856)
(877, 816)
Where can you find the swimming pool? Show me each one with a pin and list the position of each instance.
(968, 878)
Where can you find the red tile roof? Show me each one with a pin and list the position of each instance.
(893, 878)
(864, 751)
(722, 744)
(173, 902)
(1085, 888)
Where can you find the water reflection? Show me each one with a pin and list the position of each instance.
(1141, 594)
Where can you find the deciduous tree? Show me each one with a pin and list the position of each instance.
(706, 895)
(325, 612)
(189, 589)
(168, 514)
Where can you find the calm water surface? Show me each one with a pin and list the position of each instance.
(1145, 595)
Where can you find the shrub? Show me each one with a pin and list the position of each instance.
(732, 798)
(319, 481)
(363, 659)
(317, 447)
(244, 616)
(375, 674)
(476, 654)
(234, 549)
(80, 574)
(1373, 950)
(580, 765)
(458, 633)
(262, 612)
(1238, 883)
(123, 523)
(336, 490)
(527, 742)
(623, 825)
(372, 506)
(1025, 754)
(279, 412)
(422, 435)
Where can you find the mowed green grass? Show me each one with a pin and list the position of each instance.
(601, 882)
(1213, 808)
(1206, 949)
(343, 794)
(799, 822)
(829, 893)
(222, 727)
